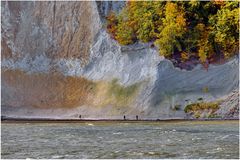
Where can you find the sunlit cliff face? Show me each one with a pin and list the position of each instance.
(55, 29)
(37, 37)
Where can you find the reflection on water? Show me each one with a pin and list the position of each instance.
(121, 140)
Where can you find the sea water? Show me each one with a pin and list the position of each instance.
(188, 139)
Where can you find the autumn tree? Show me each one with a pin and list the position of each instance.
(125, 34)
(226, 28)
(112, 23)
(203, 29)
(172, 29)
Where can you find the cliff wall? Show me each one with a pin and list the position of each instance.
(58, 61)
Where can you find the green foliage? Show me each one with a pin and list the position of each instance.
(145, 31)
(121, 93)
(205, 90)
(214, 116)
(203, 29)
(145, 18)
(173, 27)
(226, 28)
(119, 29)
(197, 115)
(124, 34)
(201, 106)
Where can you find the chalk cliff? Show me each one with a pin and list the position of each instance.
(58, 61)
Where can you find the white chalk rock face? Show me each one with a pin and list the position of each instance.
(58, 61)
(54, 30)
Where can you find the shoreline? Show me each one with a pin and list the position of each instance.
(49, 120)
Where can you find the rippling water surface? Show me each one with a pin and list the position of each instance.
(121, 140)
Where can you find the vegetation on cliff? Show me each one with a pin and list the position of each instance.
(196, 109)
(201, 106)
(206, 31)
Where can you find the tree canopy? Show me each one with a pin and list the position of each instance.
(205, 30)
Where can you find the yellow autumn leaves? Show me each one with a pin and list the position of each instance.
(204, 30)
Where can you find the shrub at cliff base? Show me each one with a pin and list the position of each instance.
(201, 106)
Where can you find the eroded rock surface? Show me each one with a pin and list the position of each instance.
(229, 107)
(52, 29)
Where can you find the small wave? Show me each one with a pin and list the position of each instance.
(117, 133)
(57, 157)
(137, 153)
(196, 138)
(224, 137)
(219, 149)
(215, 150)
(211, 152)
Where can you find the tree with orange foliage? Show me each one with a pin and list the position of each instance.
(112, 23)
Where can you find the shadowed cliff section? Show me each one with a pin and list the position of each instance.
(105, 7)
(173, 83)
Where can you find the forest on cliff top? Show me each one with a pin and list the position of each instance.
(188, 30)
